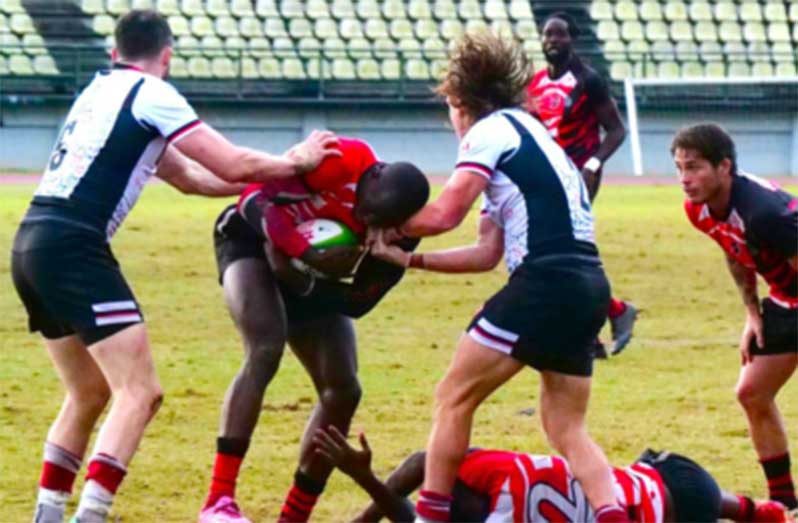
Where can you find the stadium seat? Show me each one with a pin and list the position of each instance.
(795, 33)
(235, 46)
(783, 52)
(316, 9)
(426, 28)
(725, 11)
(212, 46)
(469, 10)
(739, 69)
(700, 11)
(401, 28)
(390, 69)
(716, 69)
(409, 47)
(325, 28)
(241, 9)
(342, 9)
(274, 28)
(681, 32)
(368, 69)
(778, 32)
(651, 10)
(444, 10)
(367, 9)
(249, 68)
(638, 51)
(632, 30)
(266, 9)
(794, 12)
(754, 32)
(103, 25)
(434, 49)
(350, 28)
(601, 10)
(384, 48)
(495, 10)
(187, 45)
(394, 10)
(607, 30)
(692, 70)
(179, 25)
(416, 69)
(521, 10)
(334, 48)
(476, 24)
(750, 11)
(668, 70)
(706, 32)
(192, 7)
(283, 47)
(615, 50)
(91, 7)
(292, 69)
(675, 10)
(656, 31)
(343, 69)
(762, 68)
(117, 7)
(419, 9)
(167, 7)
(309, 47)
(250, 27)
(359, 48)
(620, 70)
(730, 32)
(142, 4)
(786, 69)
(11, 6)
(291, 9)
(4, 24)
(259, 47)
(711, 51)
(223, 67)
(178, 67)
(526, 30)
(299, 28)
(625, 10)
(34, 44)
(202, 26)
(217, 7)
(10, 44)
(686, 51)
(269, 68)
(451, 29)
(226, 26)
(775, 12)
(663, 50)
(21, 23)
(376, 28)
(199, 67)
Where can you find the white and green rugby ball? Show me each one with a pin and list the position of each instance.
(322, 233)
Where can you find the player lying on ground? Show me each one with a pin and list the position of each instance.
(574, 103)
(126, 124)
(756, 225)
(271, 303)
(555, 301)
(503, 486)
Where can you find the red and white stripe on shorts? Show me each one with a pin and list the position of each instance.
(114, 312)
(489, 335)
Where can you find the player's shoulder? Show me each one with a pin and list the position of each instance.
(758, 200)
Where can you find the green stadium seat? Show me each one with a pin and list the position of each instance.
(316, 9)
(614, 50)
(259, 47)
(309, 47)
(325, 28)
(521, 10)
(426, 28)
(675, 10)
(394, 9)
(179, 25)
(283, 47)
(226, 26)
(223, 67)
(668, 70)
(199, 67)
(475, 25)
(350, 28)
(368, 9)
(235, 46)
(212, 46)
(11, 6)
(334, 48)
(292, 69)
(21, 23)
(10, 44)
(317, 68)
(417, 69)
(451, 29)
(750, 11)
(342, 9)
(187, 45)
(142, 4)
(758, 51)
(469, 10)
(784, 69)
(754, 32)
(384, 48)
(376, 28)
(45, 65)
(34, 44)
(778, 32)
(269, 68)
(526, 29)
(91, 7)
(651, 10)
(681, 31)
(626, 10)
(656, 31)
(793, 15)
(359, 48)
(620, 70)
(117, 7)
(706, 32)
(4, 24)
(368, 69)
(739, 69)
(167, 7)
(103, 24)
(735, 51)
(437, 69)
(663, 50)
(202, 26)
(409, 47)
(178, 67)
(692, 70)
(775, 12)
(401, 28)
(192, 8)
(343, 69)
(249, 68)
(710, 51)
(249, 27)
(725, 11)
(496, 10)
(601, 10)
(607, 30)
(266, 9)
(632, 30)
(700, 11)
(418, 9)
(686, 51)
(241, 9)
(274, 28)
(762, 68)
(444, 10)
(716, 69)
(299, 28)
(291, 9)
(434, 48)
(390, 69)
(730, 32)
(217, 7)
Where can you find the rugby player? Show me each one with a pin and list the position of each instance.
(756, 225)
(125, 121)
(536, 210)
(499, 486)
(574, 103)
(271, 303)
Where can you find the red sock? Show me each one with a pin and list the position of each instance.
(780, 484)
(59, 468)
(225, 474)
(611, 514)
(301, 499)
(745, 512)
(616, 308)
(107, 471)
(433, 506)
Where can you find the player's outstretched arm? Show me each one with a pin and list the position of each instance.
(189, 177)
(480, 257)
(241, 164)
(356, 464)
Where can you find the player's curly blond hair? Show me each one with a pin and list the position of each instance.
(486, 72)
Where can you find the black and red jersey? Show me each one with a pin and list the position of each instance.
(567, 107)
(760, 232)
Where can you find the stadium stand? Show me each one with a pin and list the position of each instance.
(392, 48)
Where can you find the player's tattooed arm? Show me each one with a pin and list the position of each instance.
(745, 279)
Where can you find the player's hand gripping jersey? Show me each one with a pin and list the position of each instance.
(760, 232)
(530, 488)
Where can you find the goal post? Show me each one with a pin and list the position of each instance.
(761, 114)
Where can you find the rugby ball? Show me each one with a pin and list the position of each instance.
(322, 233)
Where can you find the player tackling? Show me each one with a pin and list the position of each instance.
(756, 225)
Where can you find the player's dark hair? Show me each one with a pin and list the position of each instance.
(486, 73)
(573, 29)
(142, 34)
(709, 140)
(400, 191)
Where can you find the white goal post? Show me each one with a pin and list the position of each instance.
(742, 110)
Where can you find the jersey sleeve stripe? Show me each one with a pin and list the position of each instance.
(477, 168)
(183, 131)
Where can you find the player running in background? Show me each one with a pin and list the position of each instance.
(274, 304)
(756, 225)
(574, 103)
(537, 212)
(503, 486)
(126, 124)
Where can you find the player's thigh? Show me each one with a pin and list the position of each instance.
(125, 360)
(77, 369)
(254, 301)
(474, 373)
(766, 374)
(327, 348)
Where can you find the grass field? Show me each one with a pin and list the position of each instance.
(673, 387)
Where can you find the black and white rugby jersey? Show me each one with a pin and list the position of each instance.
(108, 148)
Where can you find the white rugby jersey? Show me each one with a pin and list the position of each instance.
(108, 148)
(535, 193)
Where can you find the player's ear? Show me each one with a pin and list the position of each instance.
(724, 167)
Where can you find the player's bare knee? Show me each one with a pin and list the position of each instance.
(341, 397)
(752, 398)
(88, 403)
(263, 354)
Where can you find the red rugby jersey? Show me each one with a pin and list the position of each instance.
(567, 107)
(760, 232)
(531, 488)
(326, 192)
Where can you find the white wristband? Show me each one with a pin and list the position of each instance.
(593, 164)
